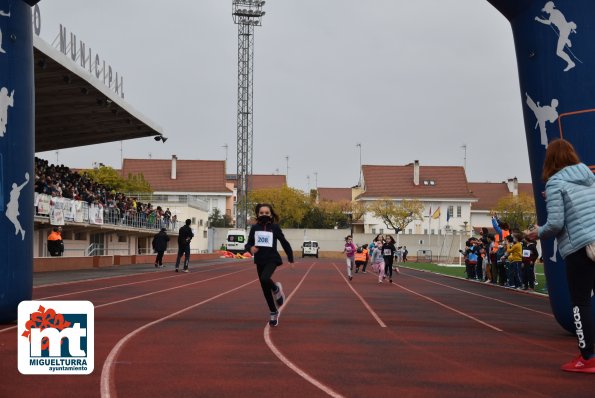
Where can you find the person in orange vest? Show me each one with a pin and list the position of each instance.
(361, 258)
(55, 243)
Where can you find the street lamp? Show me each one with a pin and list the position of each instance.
(359, 145)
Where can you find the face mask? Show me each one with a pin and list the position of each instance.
(264, 219)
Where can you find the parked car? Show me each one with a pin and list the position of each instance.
(310, 248)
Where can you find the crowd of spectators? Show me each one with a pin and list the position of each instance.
(61, 181)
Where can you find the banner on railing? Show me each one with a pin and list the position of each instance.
(95, 214)
(43, 204)
(78, 210)
(56, 216)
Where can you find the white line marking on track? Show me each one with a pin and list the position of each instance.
(113, 277)
(107, 385)
(287, 362)
(450, 308)
(482, 296)
(151, 293)
(364, 302)
(124, 284)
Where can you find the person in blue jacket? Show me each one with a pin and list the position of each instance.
(262, 244)
(570, 198)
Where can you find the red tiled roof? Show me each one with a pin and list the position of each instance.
(191, 175)
(489, 193)
(263, 181)
(334, 194)
(397, 182)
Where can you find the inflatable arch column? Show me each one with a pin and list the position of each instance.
(555, 49)
(17, 151)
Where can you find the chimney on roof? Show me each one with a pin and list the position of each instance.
(174, 160)
(416, 172)
(513, 186)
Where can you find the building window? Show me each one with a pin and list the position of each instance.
(381, 231)
(373, 231)
(410, 231)
(425, 231)
(432, 231)
(122, 239)
(459, 211)
(201, 222)
(204, 234)
(80, 236)
(193, 220)
(450, 211)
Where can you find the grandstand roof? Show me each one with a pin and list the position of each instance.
(73, 108)
(199, 176)
(397, 182)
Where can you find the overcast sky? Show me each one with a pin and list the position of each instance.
(407, 79)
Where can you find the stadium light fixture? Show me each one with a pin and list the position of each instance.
(160, 138)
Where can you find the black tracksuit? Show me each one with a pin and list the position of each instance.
(160, 246)
(388, 259)
(184, 238)
(267, 259)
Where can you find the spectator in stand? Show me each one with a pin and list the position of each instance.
(160, 246)
(55, 242)
(185, 235)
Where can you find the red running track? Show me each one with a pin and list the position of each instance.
(205, 334)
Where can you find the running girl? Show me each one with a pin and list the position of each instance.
(349, 251)
(262, 243)
(388, 251)
(378, 261)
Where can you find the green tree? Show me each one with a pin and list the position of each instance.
(219, 220)
(112, 179)
(517, 211)
(397, 215)
(291, 205)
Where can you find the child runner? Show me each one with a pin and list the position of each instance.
(262, 243)
(361, 258)
(378, 261)
(349, 251)
(388, 251)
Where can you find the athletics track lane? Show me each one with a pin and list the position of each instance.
(217, 349)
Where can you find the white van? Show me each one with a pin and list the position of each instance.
(236, 240)
(310, 248)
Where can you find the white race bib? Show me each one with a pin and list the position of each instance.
(526, 253)
(263, 239)
(387, 252)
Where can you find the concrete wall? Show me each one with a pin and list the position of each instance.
(331, 241)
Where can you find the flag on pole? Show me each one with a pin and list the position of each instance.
(436, 214)
(430, 213)
(447, 216)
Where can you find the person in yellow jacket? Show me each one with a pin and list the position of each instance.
(514, 254)
(361, 258)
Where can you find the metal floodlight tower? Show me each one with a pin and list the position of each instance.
(246, 14)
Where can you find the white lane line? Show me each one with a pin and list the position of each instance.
(151, 293)
(124, 284)
(108, 385)
(450, 308)
(113, 277)
(287, 362)
(482, 296)
(364, 302)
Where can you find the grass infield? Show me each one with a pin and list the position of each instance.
(459, 271)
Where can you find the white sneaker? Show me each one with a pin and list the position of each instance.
(279, 295)
(274, 321)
